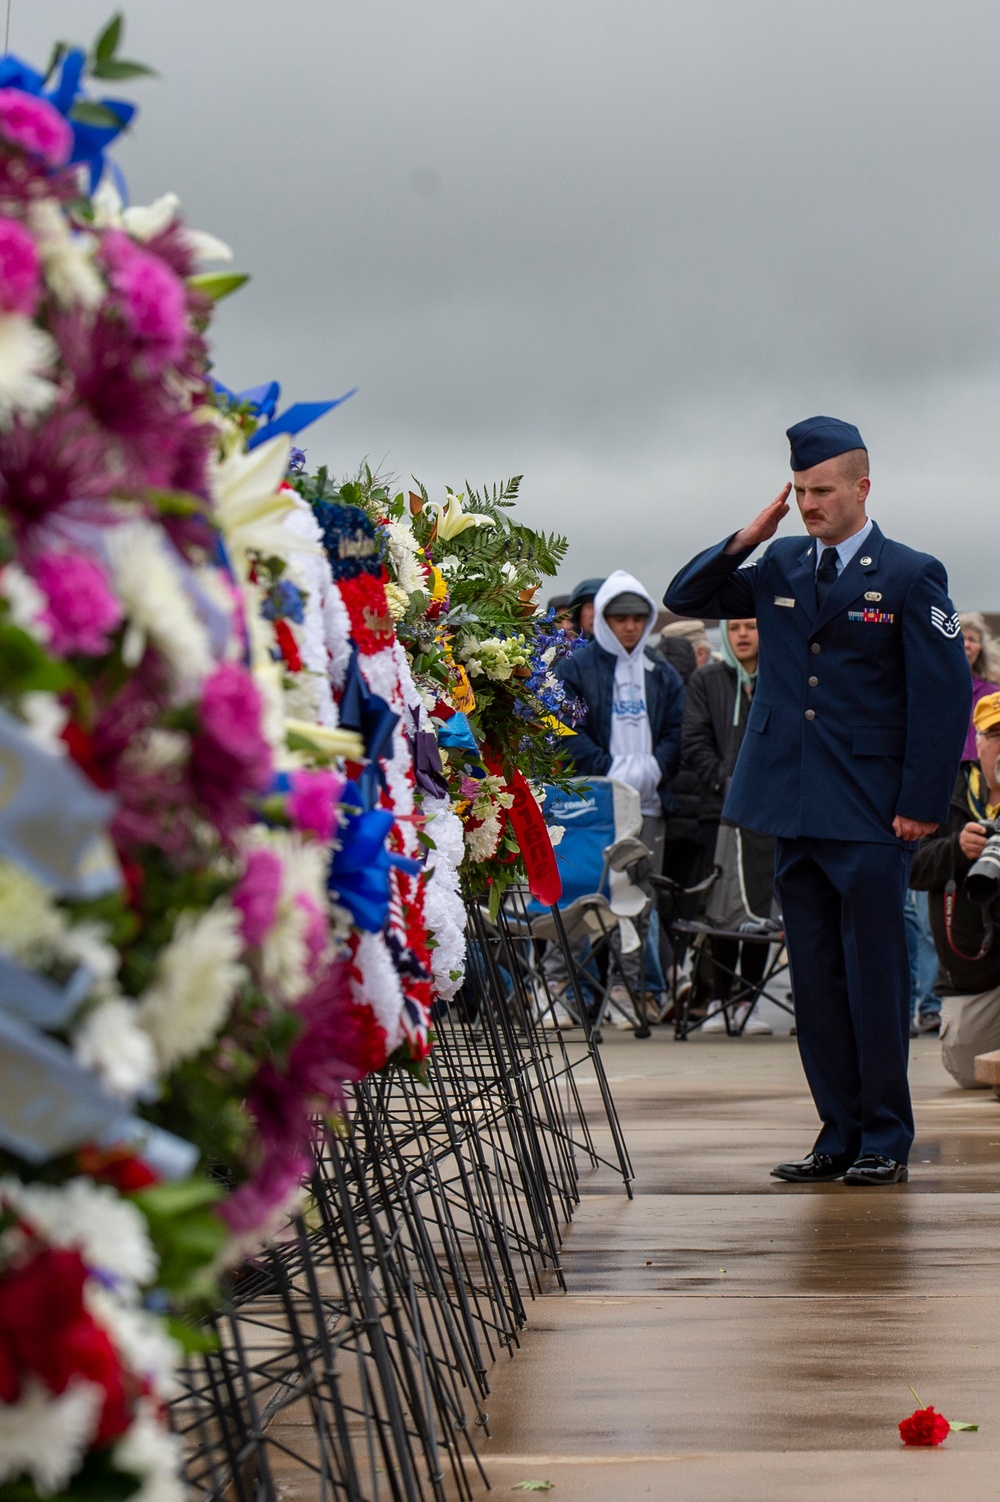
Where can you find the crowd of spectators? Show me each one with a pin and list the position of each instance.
(666, 712)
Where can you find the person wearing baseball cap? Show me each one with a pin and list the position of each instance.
(964, 931)
(853, 740)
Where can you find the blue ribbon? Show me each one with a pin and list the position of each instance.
(359, 871)
(365, 712)
(263, 400)
(89, 141)
(457, 733)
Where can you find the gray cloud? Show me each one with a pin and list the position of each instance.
(619, 248)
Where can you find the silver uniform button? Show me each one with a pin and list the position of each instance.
(815, 647)
(810, 714)
(813, 682)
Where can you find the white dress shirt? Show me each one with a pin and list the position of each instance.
(845, 550)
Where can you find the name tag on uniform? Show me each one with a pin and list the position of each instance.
(784, 600)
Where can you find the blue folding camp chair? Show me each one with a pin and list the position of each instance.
(602, 862)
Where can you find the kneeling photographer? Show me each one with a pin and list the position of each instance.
(959, 866)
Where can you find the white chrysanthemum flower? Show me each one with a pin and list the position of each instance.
(26, 353)
(197, 976)
(284, 952)
(26, 603)
(444, 910)
(44, 718)
(482, 841)
(67, 257)
(31, 925)
(110, 1233)
(148, 1450)
(158, 751)
(403, 554)
(141, 1338)
(86, 943)
(375, 983)
(110, 1041)
(149, 582)
(397, 600)
(46, 1436)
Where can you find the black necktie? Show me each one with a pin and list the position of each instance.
(826, 575)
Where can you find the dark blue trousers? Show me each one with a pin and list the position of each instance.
(842, 905)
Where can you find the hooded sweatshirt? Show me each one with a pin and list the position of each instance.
(631, 747)
(745, 682)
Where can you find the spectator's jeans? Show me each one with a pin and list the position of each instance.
(923, 956)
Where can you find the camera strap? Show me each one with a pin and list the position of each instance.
(949, 911)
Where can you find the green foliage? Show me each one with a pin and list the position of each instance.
(185, 1231)
(25, 667)
(218, 284)
(95, 1481)
(104, 62)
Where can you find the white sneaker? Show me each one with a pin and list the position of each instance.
(621, 1012)
(715, 1019)
(559, 1015)
(754, 1024)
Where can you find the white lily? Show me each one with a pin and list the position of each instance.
(452, 519)
(250, 506)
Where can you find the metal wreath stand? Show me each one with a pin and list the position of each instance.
(352, 1358)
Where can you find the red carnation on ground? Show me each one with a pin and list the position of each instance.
(924, 1427)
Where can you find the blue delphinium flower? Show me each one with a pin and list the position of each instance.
(285, 601)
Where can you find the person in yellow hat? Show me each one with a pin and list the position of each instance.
(966, 928)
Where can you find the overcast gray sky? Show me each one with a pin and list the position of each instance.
(616, 245)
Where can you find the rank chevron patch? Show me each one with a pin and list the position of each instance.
(948, 625)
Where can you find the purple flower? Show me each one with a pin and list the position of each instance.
(36, 126)
(230, 758)
(152, 299)
(81, 609)
(20, 272)
(256, 895)
(231, 713)
(312, 803)
(297, 461)
(45, 465)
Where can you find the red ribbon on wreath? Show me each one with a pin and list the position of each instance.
(544, 881)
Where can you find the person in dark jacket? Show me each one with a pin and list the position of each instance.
(715, 721)
(581, 606)
(680, 653)
(966, 937)
(634, 710)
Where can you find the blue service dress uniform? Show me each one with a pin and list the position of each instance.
(860, 713)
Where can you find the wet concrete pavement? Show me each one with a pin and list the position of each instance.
(730, 1337)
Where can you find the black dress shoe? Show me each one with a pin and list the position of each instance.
(871, 1169)
(818, 1168)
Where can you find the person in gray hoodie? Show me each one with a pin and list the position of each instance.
(634, 711)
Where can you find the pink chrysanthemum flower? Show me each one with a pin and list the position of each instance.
(36, 126)
(256, 895)
(20, 271)
(82, 609)
(312, 803)
(152, 299)
(230, 758)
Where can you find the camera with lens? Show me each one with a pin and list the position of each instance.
(982, 884)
